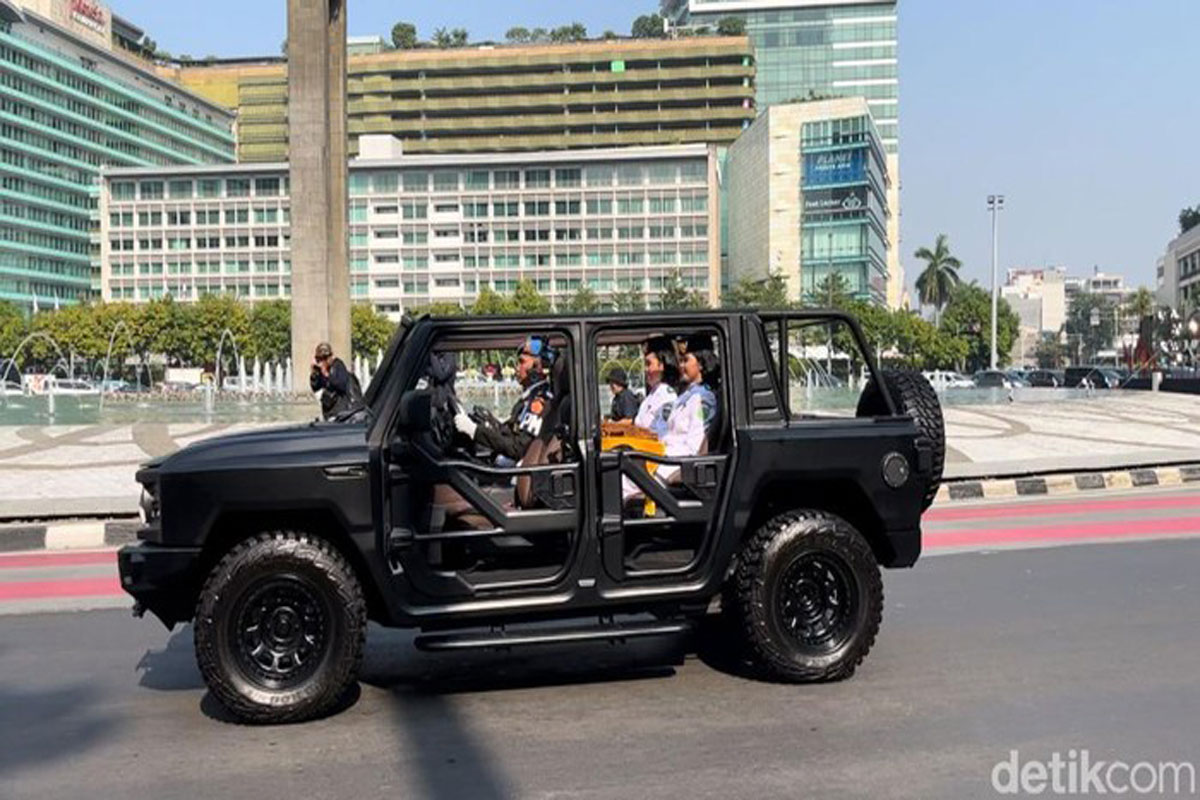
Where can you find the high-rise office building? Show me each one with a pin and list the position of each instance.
(805, 49)
(583, 95)
(807, 193)
(75, 96)
(426, 228)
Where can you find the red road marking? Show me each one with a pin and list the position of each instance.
(107, 586)
(1036, 509)
(52, 559)
(1121, 529)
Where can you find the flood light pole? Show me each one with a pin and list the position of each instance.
(995, 205)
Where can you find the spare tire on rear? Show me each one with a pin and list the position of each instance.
(913, 396)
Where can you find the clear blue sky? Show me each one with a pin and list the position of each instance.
(1082, 112)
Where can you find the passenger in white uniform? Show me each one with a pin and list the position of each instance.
(695, 410)
(661, 374)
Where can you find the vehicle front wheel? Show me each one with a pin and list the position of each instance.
(280, 627)
(806, 597)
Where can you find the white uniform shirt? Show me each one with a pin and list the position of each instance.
(656, 409)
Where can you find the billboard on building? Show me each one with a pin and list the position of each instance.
(836, 166)
(840, 200)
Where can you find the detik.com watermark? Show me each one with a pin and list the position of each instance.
(1077, 772)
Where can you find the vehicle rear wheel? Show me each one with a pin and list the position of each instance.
(805, 598)
(280, 627)
(915, 397)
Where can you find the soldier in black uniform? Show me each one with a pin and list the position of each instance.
(512, 438)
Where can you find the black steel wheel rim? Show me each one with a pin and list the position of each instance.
(818, 602)
(281, 632)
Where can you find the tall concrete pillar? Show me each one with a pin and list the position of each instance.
(317, 153)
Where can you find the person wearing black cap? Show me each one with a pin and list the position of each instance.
(340, 391)
(625, 401)
(511, 438)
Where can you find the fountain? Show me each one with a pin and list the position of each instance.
(108, 356)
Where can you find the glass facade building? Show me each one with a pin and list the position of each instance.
(808, 196)
(426, 229)
(806, 48)
(70, 106)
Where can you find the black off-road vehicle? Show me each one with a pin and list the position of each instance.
(280, 544)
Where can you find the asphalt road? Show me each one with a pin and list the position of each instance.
(983, 651)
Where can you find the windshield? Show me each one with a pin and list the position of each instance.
(389, 358)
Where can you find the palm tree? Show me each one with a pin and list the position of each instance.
(939, 277)
(1141, 304)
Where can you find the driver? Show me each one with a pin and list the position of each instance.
(511, 438)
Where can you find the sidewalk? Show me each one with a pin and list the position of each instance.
(87, 470)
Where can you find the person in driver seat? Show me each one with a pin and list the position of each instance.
(512, 438)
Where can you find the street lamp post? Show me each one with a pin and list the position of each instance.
(995, 206)
(1095, 321)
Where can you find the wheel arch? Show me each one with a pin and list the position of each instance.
(839, 496)
(231, 527)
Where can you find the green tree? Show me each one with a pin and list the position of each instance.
(489, 304)
(1189, 218)
(1141, 304)
(459, 37)
(629, 300)
(203, 324)
(609, 35)
(765, 293)
(517, 35)
(582, 301)
(1087, 339)
(833, 291)
(939, 276)
(1049, 352)
(676, 295)
(13, 327)
(968, 316)
(370, 331)
(731, 26)
(575, 32)
(648, 26)
(526, 299)
(270, 330)
(442, 38)
(404, 36)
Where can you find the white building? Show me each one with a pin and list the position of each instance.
(808, 195)
(425, 228)
(1178, 272)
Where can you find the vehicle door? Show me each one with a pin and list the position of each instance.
(658, 500)
(466, 524)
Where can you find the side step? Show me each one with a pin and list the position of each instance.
(501, 638)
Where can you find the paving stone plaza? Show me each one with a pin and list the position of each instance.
(55, 470)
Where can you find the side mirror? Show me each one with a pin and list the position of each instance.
(416, 410)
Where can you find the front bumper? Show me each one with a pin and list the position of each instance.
(164, 580)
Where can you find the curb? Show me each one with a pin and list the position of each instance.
(1066, 483)
(78, 534)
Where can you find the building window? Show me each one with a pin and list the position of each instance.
(445, 181)
(387, 183)
(477, 179)
(210, 187)
(123, 190)
(151, 190)
(237, 187)
(416, 181)
(568, 178)
(180, 190)
(266, 187)
(507, 179)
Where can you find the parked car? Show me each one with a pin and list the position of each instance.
(73, 387)
(1095, 377)
(941, 380)
(1017, 378)
(993, 379)
(1045, 378)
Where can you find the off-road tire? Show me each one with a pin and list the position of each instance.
(753, 603)
(316, 565)
(913, 396)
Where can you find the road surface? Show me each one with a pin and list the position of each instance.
(1000, 641)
